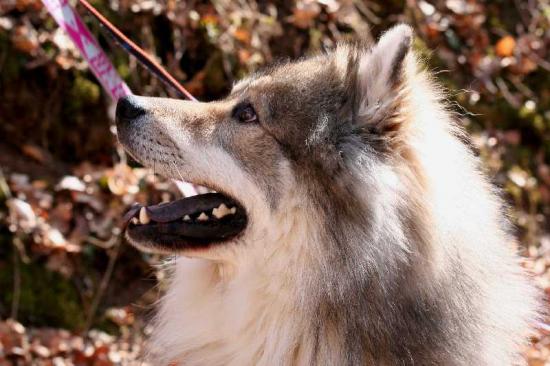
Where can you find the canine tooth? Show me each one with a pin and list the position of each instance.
(186, 218)
(202, 217)
(233, 210)
(143, 216)
(135, 220)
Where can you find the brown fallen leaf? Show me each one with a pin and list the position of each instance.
(304, 14)
(35, 152)
(242, 34)
(505, 46)
(25, 39)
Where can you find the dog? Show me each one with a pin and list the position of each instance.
(349, 222)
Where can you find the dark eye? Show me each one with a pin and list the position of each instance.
(246, 114)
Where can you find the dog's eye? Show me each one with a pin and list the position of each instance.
(246, 114)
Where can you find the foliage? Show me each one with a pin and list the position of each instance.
(65, 185)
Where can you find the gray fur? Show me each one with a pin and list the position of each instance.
(398, 283)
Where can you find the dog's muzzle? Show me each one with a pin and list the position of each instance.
(191, 222)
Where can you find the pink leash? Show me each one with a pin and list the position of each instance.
(69, 20)
(100, 65)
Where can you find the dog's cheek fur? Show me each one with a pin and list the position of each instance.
(257, 153)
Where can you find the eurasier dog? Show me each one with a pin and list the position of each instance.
(350, 225)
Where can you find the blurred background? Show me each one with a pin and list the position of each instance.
(71, 292)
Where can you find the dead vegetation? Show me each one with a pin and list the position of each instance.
(70, 292)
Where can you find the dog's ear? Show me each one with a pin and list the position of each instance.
(382, 69)
(377, 76)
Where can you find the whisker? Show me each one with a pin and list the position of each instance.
(175, 168)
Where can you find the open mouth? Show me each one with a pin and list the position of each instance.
(193, 222)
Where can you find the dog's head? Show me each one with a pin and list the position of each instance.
(291, 131)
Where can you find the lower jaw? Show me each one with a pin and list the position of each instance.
(172, 244)
(170, 248)
(161, 237)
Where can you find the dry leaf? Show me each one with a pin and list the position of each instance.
(25, 39)
(505, 46)
(242, 34)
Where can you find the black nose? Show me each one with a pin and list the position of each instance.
(129, 108)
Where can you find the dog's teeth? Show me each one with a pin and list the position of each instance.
(220, 211)
(202, 217)
(134, 220)
(233, 210)
(186, 218)
(143, 216)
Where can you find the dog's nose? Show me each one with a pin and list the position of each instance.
(129, 108)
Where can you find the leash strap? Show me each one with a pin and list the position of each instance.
(100, 65)
(130, 47)
(69, 20)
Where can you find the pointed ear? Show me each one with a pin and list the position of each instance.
(381, 70)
